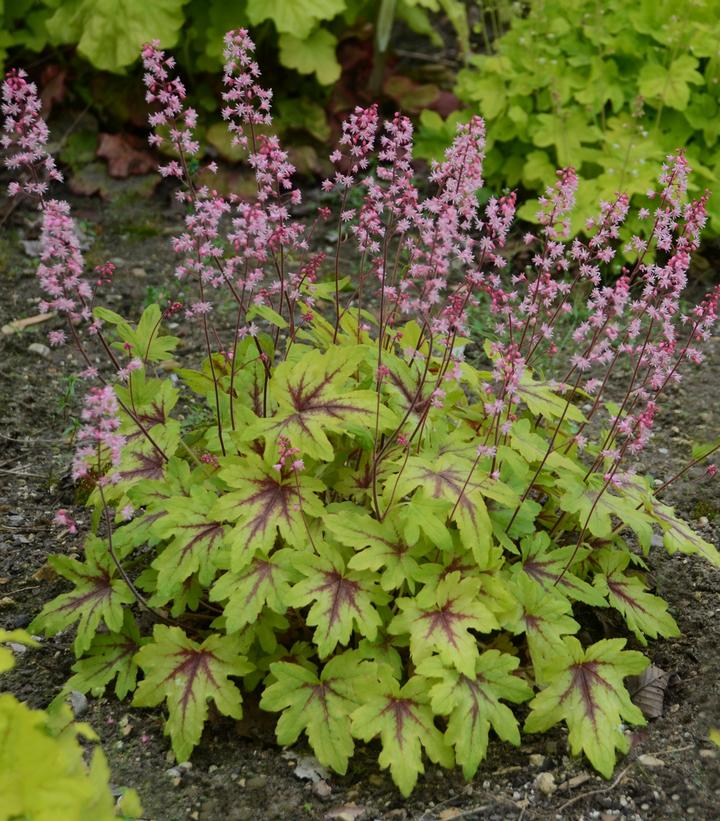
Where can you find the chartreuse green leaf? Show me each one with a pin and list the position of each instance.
(314, 54)
(7, 660)
(550, 567)
(109, 40)
(384, 547)
(451, 478)
(340, 599)
(98, 596)
(194, 538)
(438, 620)
(585, 690)
(262, 503)
(645, 614)
(265, 582)
(403, 719)
(297, 18)
(678, 536)
(312, 397)
(110, 656)
(320, 706)
(187, 675)
(545, 619)
(473, 704)
(670, 85)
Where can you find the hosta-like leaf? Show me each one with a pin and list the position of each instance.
(473, 704)
(312, 398)
(545, 619)
(298, 17)
(264, 582)
(111, 656)
(320, 705)
(340, 599)
(110, 40)
(99, 595)
(261, 503)
(187, 675)
(196, 537)
(548, 566)
(385, 549)
(585, 690)
(438, 620)
(645, 614)
(402, 717)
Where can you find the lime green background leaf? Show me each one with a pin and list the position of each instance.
(110, 32)
(314, 54)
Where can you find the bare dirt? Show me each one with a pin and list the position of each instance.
(672, 772)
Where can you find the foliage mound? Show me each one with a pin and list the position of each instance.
(43, 774)
(385, 538)
(609, 88)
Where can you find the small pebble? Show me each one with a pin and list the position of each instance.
(39, 349)
(78, 702)
(651, 761)
(322, 789)
(256, 782)
(537, 760)
(545, 782)
(708, 753)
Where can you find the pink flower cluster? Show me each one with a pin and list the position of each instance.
(24, 137)
(168, 93)
(286, 458)
(98, 438)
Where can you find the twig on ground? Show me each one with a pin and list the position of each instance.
(598, 791)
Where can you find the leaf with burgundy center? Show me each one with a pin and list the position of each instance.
(262, 503)
(438, 620)
(645, 614)
(385, 549)
(340, 600)
(320, 706)
(187, 674)
(264, 582)
(403, 719)
(315, 395)
(194, 538)
(111, 656)
(551, 567)
(98, 595)
(473, 704)
(585, 690)
(545, 618)
(451, 477)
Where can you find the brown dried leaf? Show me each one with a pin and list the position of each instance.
(53, 89)
(125, 155)
(649, 691)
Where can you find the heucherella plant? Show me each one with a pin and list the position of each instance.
(390, 530)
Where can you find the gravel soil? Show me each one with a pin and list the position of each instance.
(672, 771)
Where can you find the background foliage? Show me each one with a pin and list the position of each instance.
(607, 87)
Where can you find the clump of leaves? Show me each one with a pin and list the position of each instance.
(385, 539)
(609, 88)
(43, 773)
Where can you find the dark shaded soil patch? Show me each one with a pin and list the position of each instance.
(238, 772)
